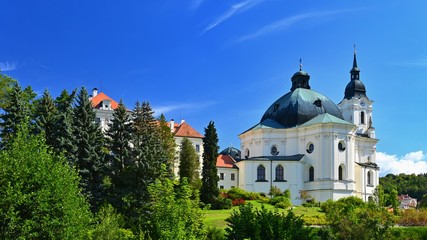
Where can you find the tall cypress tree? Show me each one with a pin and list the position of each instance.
(118, 139)
(210, 178)
(189, 164)
(168, 143)
(89, 154)
(46, 117)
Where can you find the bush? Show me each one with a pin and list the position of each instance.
(281, 202)
(236, 193)
(215, 233)
(250, 223)
(413, 233)
(109, 226)
(222, 203)
(238, 202)
(412, 217)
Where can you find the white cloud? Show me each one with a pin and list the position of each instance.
(7, 66)
(184, 107)
(195, 4)
(234, 9)
(413, 162)
(286, 23)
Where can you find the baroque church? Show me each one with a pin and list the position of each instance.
(306, 142)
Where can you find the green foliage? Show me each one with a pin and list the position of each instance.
(250, 223)
(413, 233)
(46, 116)
(236, 193)
(109, 225)
(347, 216)
(189, 164)
(118, 138)
(174, 214)
(209, 191)
(18, 109)
(168, 143)
(89, 157)
(215, 233)
(411, 184)
(222, 203)
(40, 197)
(6, 85)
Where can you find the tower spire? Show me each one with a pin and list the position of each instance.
(300, 64)
(354, 59)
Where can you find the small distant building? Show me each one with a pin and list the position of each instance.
(104, 107)
(228, 171)
(407, 202)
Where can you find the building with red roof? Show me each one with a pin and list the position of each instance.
(227, 170)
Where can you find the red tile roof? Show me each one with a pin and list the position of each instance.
(185, 130)
(225, 161)
(96, 101)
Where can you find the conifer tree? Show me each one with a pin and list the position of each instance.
(210, 191)
(17, 108)
(189, 164)
(168, 143)
(6, 85)
(46, 117)
(64, 125)
(89, 154)
(148, 157)
(118, 139)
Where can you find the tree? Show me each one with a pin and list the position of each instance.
(210, 191)
(89, 154)
(63, 129)
(189, 164)
(347, 216)
(250, 223)
(147, 158)
(168, 142)
(175, 214)
(46, 117)
(40, 197)
(17, 108)
(118, 138)
(6, 85)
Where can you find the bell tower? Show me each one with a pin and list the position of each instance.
(356, 107)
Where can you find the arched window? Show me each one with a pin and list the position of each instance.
(369, 178)
(311, 174)
(279, 173)
(261, 173)
(362, 117)
(340, 173)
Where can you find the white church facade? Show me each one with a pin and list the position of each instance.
(305, 142)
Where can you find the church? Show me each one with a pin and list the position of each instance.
(306, 142)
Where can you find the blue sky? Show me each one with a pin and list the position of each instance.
(227, 61)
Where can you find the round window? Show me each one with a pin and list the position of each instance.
(274, 151)
(341, 146)
(310, 147)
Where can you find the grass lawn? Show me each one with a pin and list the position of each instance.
(216, 218)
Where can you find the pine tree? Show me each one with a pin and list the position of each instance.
(210, 191)
(118, 138)
(148, 157)
(46, 117)
(168, 143)
(64, 126)
(189, 164)
(17, 109)
(89, 154)
(6, 85)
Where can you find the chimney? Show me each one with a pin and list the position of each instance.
(94, 92)
(182, 121)
(172, 125)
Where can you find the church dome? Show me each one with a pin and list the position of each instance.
(354, 88)
(300, 105)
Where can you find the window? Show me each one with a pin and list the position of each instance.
(274, 151)
(247, 153)
(279, 173)
(221, 187)
(261, 173)
(362, 117)
(221, 176)
(310, 148)
(311, 174)
(340, 173)
(232, 177)
(197, 148)
(341, 146)
(369, 178)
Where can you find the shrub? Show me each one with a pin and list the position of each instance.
(281, 202)
(215, 233)
(238, 202)
(236, 193)
(412, 217)
(222, 203)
